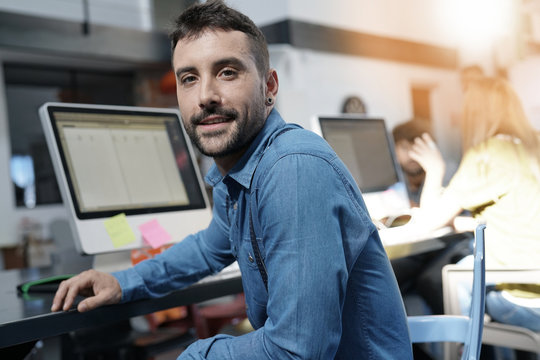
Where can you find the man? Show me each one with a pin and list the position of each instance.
(421, 274)
(404, 135)
(330, 291)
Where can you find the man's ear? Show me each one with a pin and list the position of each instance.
(272, 83)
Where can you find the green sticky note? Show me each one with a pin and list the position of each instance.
(119, 230)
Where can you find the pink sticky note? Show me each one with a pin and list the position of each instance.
(154, 234)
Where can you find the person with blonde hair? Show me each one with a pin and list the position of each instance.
(498, 181)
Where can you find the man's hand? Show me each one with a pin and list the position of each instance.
(99, 288)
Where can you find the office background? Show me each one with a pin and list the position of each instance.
(401, 58)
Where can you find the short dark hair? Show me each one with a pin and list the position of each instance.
(411, 129)
(215, 15)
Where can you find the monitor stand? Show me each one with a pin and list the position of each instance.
(110, 262)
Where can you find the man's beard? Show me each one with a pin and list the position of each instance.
(241, 135)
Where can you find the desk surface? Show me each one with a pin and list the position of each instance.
(400, 243)
(27, 319)
(30, 318)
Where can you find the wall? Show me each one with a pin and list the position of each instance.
(133, 14)
(525, 76)
(400, 19)
(317, 83)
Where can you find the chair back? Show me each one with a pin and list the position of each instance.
(458, 328)
(478, 301)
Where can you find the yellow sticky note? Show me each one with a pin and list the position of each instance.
(119, 230)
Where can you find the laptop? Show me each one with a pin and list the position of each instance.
(366, 148)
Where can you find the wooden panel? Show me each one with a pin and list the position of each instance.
(421, 99)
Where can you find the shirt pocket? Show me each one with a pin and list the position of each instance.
(246, 253)
(251, 275)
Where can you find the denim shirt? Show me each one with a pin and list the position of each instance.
(331, 292)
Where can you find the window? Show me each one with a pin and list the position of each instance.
(27, 88)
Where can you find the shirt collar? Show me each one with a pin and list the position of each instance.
(243, 170)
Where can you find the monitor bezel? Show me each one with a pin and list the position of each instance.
(51, 108)
(91, 236)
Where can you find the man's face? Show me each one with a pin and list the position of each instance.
(220, 93)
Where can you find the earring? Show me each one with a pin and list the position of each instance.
(269, 101)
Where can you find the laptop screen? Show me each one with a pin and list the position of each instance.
(367, 150)
(364, 147)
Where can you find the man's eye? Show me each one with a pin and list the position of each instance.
(188, 79)
(228, 73)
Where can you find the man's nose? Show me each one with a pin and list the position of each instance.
(209, 94)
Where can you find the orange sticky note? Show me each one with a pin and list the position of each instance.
(154, 234)
(119, 230)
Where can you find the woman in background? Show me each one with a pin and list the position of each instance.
(498, 181)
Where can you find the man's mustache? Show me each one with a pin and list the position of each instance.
(228, 113)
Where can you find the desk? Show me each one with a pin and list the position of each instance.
(399, 243)
(23, 320)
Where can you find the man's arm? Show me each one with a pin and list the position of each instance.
(195, 257)
(198, 255)
(299, 211)
(178, 267)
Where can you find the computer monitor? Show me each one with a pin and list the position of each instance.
(366, 148)
(116, 161)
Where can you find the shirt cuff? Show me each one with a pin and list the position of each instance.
(131, 284)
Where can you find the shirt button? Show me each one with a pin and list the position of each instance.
(250, 258)
(235, 206)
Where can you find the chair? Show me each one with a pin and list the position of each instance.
(210, 320)
(458, 328)
(497, 334)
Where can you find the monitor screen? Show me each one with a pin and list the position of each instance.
(367, 150)
(124, 160)
(364, 146)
